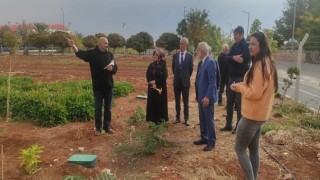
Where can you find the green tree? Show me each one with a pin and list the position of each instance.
(272, 43)
(168, 41)
(98, 35)
(182, 28)
(214, 38)
(140, 42)
(10, 39)
(39, 40)
(116, 40)
(58, 38)
(197, 23)
(41, 27)
(89, 41)
(285, 23)
(24, 30)
(256, 26)
(77, 37)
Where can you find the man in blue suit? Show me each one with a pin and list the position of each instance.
(182, 67)
(206, 94)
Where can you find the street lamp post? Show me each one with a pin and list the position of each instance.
(248, 21)
(124, 47)
(294, 24)
(62, 16)
(230, 30)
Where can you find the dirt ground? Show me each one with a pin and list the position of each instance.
(184, 161)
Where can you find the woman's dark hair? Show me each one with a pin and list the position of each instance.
(263, 54)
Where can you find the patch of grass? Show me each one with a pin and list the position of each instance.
(146, 141)
(269, 127)
(311, 122)
(139, 64)
(137, 117)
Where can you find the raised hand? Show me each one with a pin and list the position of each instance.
(70, 42)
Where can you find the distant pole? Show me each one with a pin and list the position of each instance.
(62, 16)
(230, 30)
(124, 36)
(248, 21)
(294, 23)
(296, 93)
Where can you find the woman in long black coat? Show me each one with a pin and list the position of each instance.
(157, 103)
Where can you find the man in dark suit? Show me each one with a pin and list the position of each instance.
(206, 97)
(182, 67)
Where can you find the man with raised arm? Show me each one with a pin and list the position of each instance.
(102, 67)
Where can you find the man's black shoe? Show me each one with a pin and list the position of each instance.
(176, 121)
(226, 128)
(208, 148)
(109, 131)
(186, 122)
(200, 142)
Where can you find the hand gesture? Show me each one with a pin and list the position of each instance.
(238, 58)
(70, 42)
(205, 102)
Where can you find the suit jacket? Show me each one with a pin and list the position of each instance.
(182, 75)
(206, 81)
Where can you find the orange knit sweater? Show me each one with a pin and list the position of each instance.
(257, 98)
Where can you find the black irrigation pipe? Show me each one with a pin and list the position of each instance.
(273, 157)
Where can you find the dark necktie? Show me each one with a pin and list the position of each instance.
(181, 60)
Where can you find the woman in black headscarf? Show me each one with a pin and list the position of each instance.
(157, 103)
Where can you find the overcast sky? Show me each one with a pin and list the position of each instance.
(152, 16)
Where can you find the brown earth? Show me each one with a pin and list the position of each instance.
(183, 161)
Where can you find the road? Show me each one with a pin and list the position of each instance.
(309, 91)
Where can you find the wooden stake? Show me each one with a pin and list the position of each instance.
(2, 162)
(9, 88)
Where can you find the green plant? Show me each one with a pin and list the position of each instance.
(292, 73)
(146, 142)
(122, 89)
(30, 158)
(311, 122)
(137, 117)
(154, 139)
(269, 127)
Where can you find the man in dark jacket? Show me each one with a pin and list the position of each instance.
(182, 67)
(223, 72)
(102, 67)
(238, 62)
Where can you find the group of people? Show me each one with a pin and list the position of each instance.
(247, 71)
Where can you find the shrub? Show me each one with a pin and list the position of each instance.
(122, 89)
(30, 158)
(137, 117)
(51, 104)
(311, 122)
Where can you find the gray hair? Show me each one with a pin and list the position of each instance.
(203, 47)
(185, 40)
(225, 46)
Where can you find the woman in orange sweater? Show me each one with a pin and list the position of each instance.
(257, 90)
